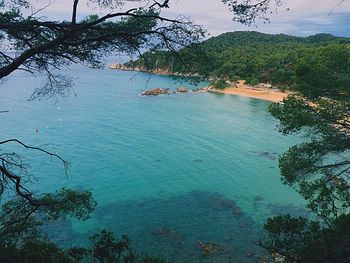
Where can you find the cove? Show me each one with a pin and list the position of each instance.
(170, 171)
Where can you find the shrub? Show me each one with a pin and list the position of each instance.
(220, 84)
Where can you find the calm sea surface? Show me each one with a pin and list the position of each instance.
(170, 171)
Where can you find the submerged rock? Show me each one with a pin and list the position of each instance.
(258, 198)
(208, 248)
(268, 155)
(174, 225)
(168, 235)
(155, 92)
(219, 202)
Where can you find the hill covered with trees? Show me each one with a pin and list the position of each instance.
(253, 56)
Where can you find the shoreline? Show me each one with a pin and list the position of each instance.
(241, 89)
(252, 92)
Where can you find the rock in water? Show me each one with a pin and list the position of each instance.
(181, 89)
(155, 92)
(219, 202)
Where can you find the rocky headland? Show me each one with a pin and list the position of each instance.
(261, 91)
(157, 71)
(160, 91)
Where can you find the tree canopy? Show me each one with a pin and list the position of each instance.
(41, 45)
(248, 11)
(319, 170)
(241, 55)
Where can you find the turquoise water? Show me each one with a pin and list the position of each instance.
(170, 171)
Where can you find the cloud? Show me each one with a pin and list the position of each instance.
(303, 18)
(305, 25)
(318, 23)
(297, 17)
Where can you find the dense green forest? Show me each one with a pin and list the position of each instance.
(253, 56)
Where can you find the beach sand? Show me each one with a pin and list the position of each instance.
(253, 92)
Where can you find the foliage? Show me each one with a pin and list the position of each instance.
(247, 11)
(103, 248)
(21, 236)
(220, 84)
(319, 170)
(254, 82)
(322, 110)
(106, 249)
(39, 252)
(249, 55)
(21, 220)
(304, 240)
(39, 45)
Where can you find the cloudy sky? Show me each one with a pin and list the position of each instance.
(295, 17)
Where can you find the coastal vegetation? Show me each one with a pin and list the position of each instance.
(319, 170)
(316, 68)
(253, 56)
(220, 84)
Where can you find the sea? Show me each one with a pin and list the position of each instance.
(173, 172)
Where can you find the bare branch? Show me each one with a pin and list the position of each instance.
(65, 163)
(335, 7)
(165, 4)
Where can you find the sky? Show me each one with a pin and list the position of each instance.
(295, 17)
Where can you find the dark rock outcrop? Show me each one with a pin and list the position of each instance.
(155, 92)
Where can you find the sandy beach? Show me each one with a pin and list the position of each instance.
(253, 92)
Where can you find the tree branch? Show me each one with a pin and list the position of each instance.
(63, 35)
(65, 163)
(74, 12)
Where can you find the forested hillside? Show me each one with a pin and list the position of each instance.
(253, 56)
